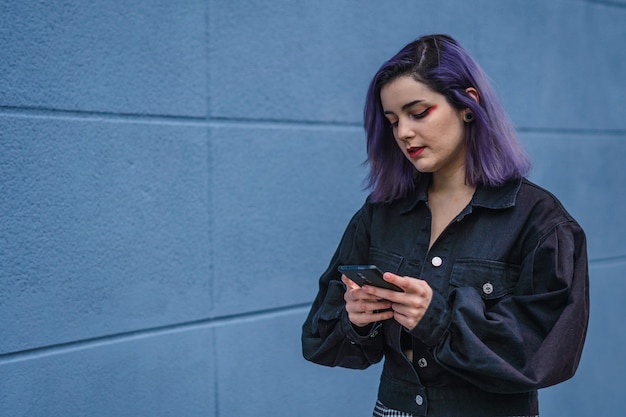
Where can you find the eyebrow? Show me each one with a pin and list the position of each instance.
(406, 106)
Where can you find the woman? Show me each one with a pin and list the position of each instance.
(493, 269)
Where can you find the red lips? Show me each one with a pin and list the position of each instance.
(415, 151)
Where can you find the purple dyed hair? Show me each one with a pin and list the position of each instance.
(494, 154)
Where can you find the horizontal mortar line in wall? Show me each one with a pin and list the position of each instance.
(577, 132)
(607, 3)
(611, 260)
(76, 345)
(283, 123)
(51, 113)
(42, 112)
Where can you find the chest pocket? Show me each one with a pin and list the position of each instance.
(385, 261)
(491, 279)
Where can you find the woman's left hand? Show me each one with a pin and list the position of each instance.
(409, 306)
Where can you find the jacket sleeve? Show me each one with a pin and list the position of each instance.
(328, 337)
(529, 339)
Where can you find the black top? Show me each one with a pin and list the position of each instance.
(509, 311)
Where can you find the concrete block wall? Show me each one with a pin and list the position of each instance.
(176, 175)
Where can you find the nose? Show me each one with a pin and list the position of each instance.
(404, 131)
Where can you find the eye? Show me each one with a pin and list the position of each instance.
(393, 123)
(424, 113)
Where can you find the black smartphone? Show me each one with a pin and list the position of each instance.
(367, 274)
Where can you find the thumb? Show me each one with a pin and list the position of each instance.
(397, 280)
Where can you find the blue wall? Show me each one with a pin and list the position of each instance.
(175, 176)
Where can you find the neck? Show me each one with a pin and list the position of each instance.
(454, 183)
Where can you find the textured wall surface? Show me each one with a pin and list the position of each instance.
(175, 175)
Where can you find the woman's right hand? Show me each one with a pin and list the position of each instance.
(362, 308)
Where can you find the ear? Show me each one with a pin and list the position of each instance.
(473, 93)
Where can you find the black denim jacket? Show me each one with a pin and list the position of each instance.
(509, 310)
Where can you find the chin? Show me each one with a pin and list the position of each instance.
(423, 168)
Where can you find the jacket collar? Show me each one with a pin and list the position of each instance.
(496, 198)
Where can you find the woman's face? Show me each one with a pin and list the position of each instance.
(428, 130)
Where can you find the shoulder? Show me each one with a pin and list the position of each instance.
(536, 197)
(544, 210)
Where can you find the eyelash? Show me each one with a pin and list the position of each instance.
(423, 114)
(416, 116)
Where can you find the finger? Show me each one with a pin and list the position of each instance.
(409, 318)
(409, 285)
(366, 306)
(357, 290)
(349, 283)
(381, 315)
(403, 282)
(405, 322)
(383, 293)
(366, 317)
(402, 309)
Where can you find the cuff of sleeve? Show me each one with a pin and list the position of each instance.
(353, 335)
(434, 325)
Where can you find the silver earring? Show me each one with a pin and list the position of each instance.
(468, 117)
